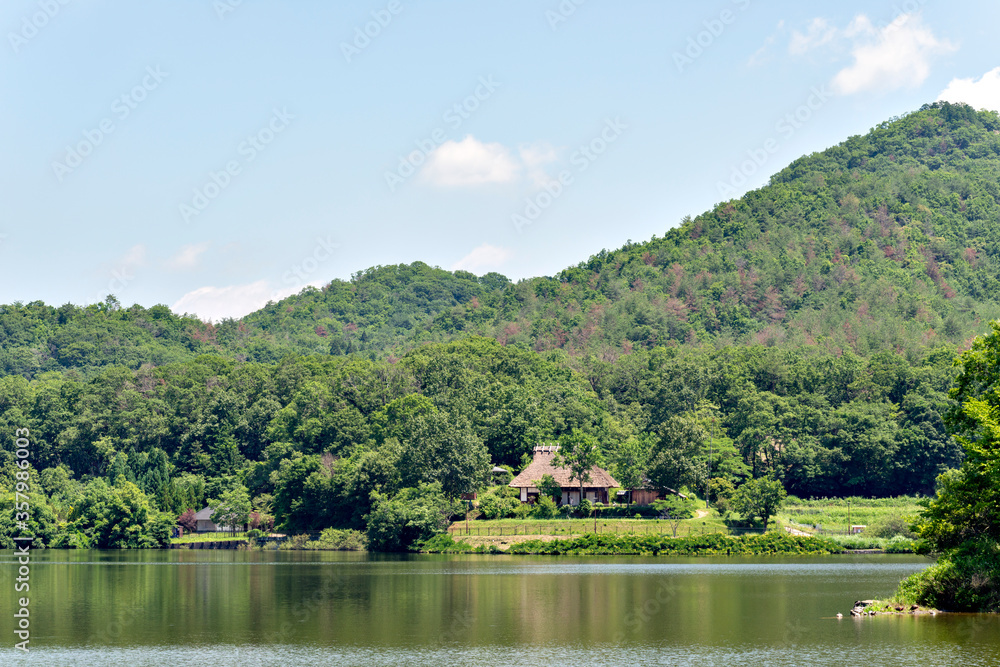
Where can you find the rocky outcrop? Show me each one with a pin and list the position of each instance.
(881, 607)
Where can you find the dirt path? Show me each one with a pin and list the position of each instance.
(701, 514)
(796, 532)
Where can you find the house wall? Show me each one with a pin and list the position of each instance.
(644, 496)
(205, 526)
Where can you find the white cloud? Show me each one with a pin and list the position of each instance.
(470, 162)
(235, 301)
(134, 257)
(885, 59)
(981, 94)
(763, 54)
(818, 33)
(187, 257)
(535, 157)
(482, 259)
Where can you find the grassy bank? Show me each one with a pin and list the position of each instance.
(772, 543)
(191, 538)
(966, 578)
(836, 514)
(709, 522)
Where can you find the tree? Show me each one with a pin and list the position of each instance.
(674, 509)
(232, 509)
(411, 516)
(120, 517)
(967, 505)
(579, 453)
(759, 498)
(187, 521)
(675, 459)
(630, 464)
(963, 520)
(549, 487)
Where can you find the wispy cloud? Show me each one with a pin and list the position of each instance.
(982, 93)
(484, 258)
(232, 301)
(883, 57)
(818, 33)
(187, 257)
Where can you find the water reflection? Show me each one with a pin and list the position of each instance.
(230, 607)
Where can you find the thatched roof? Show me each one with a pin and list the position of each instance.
(542, 465)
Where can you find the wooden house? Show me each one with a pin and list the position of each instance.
(596, 490)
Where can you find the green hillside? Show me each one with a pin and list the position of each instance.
(805, 331)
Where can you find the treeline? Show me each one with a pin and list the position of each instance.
(321, 441)
(886, 242)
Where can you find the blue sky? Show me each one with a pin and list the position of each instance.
(211, 155)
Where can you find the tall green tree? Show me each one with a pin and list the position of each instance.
(760, 497)
(580, 453)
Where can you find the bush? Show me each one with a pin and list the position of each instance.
(188, 522)
(702, 545)
(411, 516)
(545, 508)
(522, 511)
(499, 502)
(891, 526)
(332, 539)
(964, 579)
(255, 533)
(585, 508)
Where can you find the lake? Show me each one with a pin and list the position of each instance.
(180, 607)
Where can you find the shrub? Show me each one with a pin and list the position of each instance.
(411, 516)
(545, 508)
(891, 526)
(188, 522)
(499, 502)
(964, 579)
(585, 508)
(332, 539)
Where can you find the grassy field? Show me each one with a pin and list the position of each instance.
(833, 514)
(207, 537)
(710, 522)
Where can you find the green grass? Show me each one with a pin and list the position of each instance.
(832, 513)
(190, 538)
(565, 527)
(699, 545)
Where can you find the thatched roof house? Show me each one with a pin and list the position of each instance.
(596, 490)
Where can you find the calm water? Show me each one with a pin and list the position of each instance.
(291, 608)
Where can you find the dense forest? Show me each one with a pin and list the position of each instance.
(806, 331)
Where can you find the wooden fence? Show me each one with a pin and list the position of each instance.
(588, 527)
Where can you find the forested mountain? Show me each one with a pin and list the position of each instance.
(805, 331)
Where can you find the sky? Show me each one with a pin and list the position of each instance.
(212, 155)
